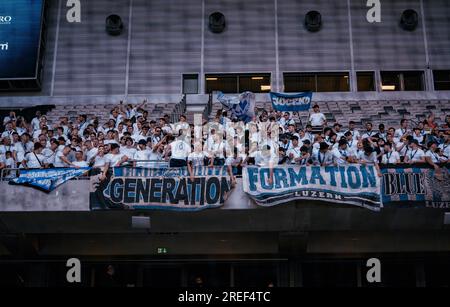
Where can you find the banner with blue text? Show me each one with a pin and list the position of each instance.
(292, 102)
(160, 188)
(242, 107)
(416, 187)
(350, 184)
(48, 179)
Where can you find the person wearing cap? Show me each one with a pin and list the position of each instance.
(317, 119)
(414, 153)
(390, 156)
(322, 157)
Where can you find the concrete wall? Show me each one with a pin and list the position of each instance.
(165, 38)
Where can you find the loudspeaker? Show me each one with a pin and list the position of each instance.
(217, 22)
(114, 25)
(409, 20)
(313, 21)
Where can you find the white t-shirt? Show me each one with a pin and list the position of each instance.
(91, 153)
(33, 160)
(340, 155)
(9, 163)
(400, 132)
(445, 149)
(372, 159)
(114, 160)
(320, 158)
(80, 163)
(296, 153)
(5, 148)
(180, 150)
(434, 156)
(415, 155)
(390, 157)
(100, 161)
(197, 158)
(317, 119)
(129, 152)
(368, 134)
(58, 161)
(266, 159)
(49, 155)
(141, 155)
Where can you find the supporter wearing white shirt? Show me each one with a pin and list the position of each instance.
(369, 132)
(445, 147)
(128, 150)
(414, 154)
(355, 133)
(91, 151)
(322, 157)
(36, 120)
(50, 153)
(24, 146)
(62, 158)
(10, 117)
(403, 130)
(317, 119)
(294, 152)
(337, 129)
(34, 159)
(114, 157)
(417, 135)
(369, 156)
(198, 156)
(99, 159)
(352, 142)
(8, 160)
(390, 156)
(432, 154)
(342, 154)
(265, 157)
(180, 151)
(141, 154)
(6, 146)
(79, 160)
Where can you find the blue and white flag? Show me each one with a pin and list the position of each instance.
(242, 107)
(48, 179)
(292, 102)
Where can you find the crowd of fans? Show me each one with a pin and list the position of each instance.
(129, 137)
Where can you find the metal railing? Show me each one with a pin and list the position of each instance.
(208, 108)
(180, 109)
